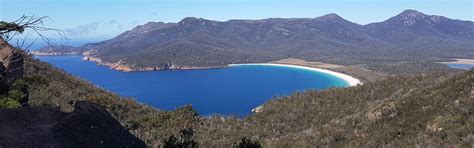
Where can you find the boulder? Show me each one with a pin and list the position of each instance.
(89, 125)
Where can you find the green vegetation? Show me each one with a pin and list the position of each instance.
(248, 143)
(424, 109)
(6, 27)
(13, 96)
(390, 46)
(433, 109)
(6, 102)
(419, 109)
(184, 140)
(49, 86)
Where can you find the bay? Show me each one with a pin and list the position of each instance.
(234, 90)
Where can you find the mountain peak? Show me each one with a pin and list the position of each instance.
(192, 19)
(330, 16)
(410, 13)
(409, 17)
(148, 27)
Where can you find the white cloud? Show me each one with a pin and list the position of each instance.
(83, 29)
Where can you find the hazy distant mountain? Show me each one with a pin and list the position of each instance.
(417, 31)
(198, 42)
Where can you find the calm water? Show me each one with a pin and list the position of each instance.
(461, 66)
(231, 91)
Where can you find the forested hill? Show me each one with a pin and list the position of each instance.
(422, 109)
(196, 42)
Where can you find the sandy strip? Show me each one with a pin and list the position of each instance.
(460, 61)
(349, 79)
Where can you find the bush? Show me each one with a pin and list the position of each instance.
(15, 94)
(9, 103)
(185, 140)
(248, 143)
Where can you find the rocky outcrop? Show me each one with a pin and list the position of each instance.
(56, 50)
(124, 66)
(11, 68)
(89, 125)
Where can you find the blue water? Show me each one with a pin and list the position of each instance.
(461, 66)
(229, 91)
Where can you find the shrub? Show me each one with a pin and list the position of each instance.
(9, 103)
(247, 143)
(185, 140)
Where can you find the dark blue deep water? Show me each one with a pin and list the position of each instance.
(230, 91)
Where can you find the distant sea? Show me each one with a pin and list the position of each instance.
(228, 91)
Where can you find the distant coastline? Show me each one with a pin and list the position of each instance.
(465, 64)
(54, 53)
(125, 67)
(460, 61)
(351, 81)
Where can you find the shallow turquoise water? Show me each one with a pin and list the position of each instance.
(229, 91)
(461, 66)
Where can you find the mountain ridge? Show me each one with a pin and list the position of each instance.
(198, 42)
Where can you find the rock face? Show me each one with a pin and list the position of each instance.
(11, 68)
(89, 125)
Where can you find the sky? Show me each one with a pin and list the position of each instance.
(103, 19)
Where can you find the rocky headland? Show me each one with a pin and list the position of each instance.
(123, 65)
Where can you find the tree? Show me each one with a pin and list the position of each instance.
(8, 30)
(184, 140)
(247, 143)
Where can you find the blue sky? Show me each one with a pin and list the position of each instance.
(82, 19)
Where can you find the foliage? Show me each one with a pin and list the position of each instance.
(405, 110)
(424, 109)
(49, 86)
(247, 143)
(8, 30)
(184, 140)
(389, 46)
(6, 102)
(13, 96)
(6, 27)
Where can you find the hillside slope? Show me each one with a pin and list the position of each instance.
(49, 86)
(196, 42)
(423, 109)
(89, 125)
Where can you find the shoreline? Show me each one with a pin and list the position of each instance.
(124, 67)
(460, 61)
(351, 81)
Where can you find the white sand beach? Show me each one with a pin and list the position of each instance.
(460, 61)
(349, 79)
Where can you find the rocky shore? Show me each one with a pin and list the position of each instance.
(122, 65)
